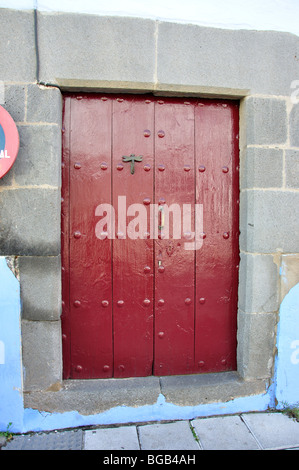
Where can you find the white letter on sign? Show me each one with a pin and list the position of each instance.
(295, 355)
(3, 154)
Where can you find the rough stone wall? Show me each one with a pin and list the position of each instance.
(85, 52)
(30, 196)
(269, 222)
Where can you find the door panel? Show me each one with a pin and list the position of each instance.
(65, 238)
(137, 300)
(217, 260)
(90, 258)
(133, 122)
(174, 266)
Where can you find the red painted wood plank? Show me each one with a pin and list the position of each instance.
(216, 143)
(133, 133)
(65, 236)
(90, 257)
(174, 266)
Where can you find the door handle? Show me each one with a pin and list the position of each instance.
(160, 259)
(132, 159)
(161, 218)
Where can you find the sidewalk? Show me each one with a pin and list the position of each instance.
(250, 431)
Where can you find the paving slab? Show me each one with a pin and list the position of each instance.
(224, 433)
(273, 430)
(2, 441)
(167, 436)
(67, 440)
(122, 438)
(250, 431)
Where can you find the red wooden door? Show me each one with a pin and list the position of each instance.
(136, 300)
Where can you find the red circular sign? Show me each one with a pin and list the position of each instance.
(9, 142)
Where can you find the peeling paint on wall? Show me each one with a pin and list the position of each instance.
(42, 421)
(12, 263)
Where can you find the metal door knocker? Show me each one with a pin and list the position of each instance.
(132, 158)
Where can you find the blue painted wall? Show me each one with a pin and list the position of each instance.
(11, 393)
(287, 362)
(36, 421)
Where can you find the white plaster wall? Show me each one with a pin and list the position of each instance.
(277, 15)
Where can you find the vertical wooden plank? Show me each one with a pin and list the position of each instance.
(174, 265)
(65, 237)
(216, 144)
(133, 133)
(90, 256)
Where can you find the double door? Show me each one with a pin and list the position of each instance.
(149, 236)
